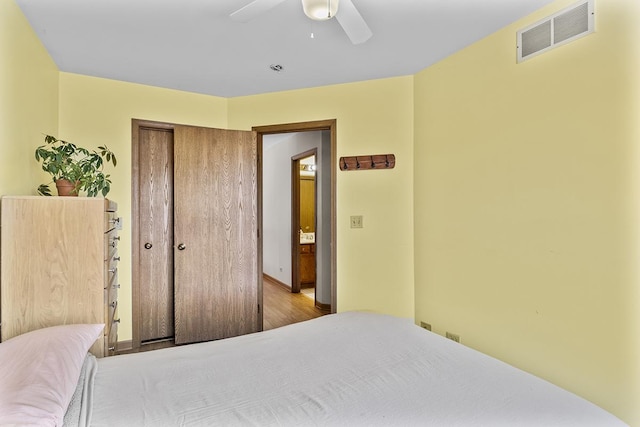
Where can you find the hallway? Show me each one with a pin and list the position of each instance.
(281, 307)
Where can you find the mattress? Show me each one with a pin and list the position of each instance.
(348, 369)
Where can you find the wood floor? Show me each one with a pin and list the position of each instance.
(281, 307)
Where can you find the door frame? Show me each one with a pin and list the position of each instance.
(295, 216)
(331, 126)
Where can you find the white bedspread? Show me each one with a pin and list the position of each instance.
(350, 369)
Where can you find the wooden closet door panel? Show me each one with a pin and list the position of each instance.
(156, 234)
(216, 219)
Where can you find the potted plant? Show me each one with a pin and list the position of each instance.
(76, 167)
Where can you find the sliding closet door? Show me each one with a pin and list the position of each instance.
(154, 296)
(215, 234)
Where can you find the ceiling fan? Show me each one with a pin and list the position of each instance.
(320, 10)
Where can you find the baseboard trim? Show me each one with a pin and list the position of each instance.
(277, 282)
(323, 307)
(318, 305)
(124, 346)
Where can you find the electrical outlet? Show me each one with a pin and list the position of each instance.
(356, 221)
(453, 337)
(425, 325)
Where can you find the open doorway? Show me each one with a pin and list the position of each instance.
(280, 229)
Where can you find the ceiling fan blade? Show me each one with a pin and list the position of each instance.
(254, 9)
(352, 22)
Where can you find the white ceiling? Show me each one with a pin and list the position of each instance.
(193, 45)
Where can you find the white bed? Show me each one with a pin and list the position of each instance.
(349, 369)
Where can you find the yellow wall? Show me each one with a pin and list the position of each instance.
(375, 263)
(526, 204)
(372, 117)
(28, 101)
(525, 233)
(96, 111)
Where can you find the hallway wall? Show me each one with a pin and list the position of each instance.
(276, 213)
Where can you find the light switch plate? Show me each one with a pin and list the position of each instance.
(356, 221)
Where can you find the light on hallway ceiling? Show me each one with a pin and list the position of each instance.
(320, 10)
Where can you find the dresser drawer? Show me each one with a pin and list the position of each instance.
(110, 220)
(110, 272)
(111, 314)
(112, 332)
(111, 240)
(111, 340)
(110, 302)
(111, 292)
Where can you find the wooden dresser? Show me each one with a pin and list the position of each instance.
(58, 259)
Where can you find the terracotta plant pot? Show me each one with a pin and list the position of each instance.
(66, 188)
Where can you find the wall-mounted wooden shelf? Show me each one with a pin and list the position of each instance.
(374, 161)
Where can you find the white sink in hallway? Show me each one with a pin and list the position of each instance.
(306, 238)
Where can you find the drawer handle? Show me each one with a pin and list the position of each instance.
(114, 220)
(113, 244)
(116, 238)
(116, 320)
(112, 305)
(113, 270)
(116, 258)
(181, 247)
(112, 348)
(116, 286)
(148, 245)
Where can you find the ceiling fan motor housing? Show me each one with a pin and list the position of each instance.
(320, 10)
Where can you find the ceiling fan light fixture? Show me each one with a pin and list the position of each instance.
(320, 10)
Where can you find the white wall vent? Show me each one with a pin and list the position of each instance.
(558, 29)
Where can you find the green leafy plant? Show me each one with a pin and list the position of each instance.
(85, 168)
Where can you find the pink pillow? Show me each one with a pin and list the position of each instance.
(39, 371)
